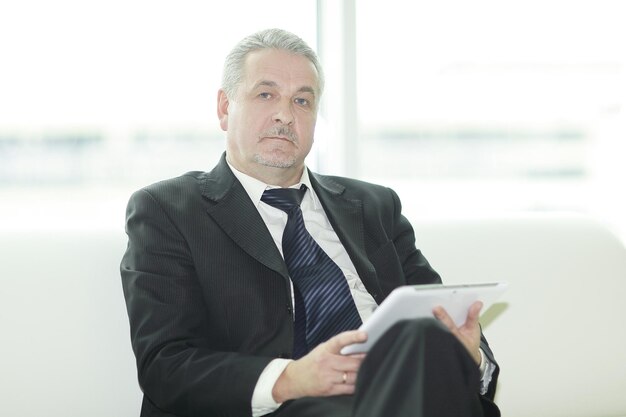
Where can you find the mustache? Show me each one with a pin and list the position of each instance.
(283, 131)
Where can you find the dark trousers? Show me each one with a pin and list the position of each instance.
(417, 369)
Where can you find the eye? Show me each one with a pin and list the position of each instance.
(302, 102)
(265, 96)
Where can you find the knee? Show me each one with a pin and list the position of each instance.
(423, 326)
(423, 334)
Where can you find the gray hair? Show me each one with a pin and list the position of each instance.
(265, 39)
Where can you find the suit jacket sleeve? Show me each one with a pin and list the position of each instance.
(178, 371)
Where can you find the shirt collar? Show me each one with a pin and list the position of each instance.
(255, 188)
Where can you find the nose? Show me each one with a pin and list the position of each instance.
(284, 113)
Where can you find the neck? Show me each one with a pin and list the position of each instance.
(282, 177)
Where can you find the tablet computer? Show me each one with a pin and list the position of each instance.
(415, 301)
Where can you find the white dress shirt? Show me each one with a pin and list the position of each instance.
(319, 227)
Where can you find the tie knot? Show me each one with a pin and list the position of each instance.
(285, 199)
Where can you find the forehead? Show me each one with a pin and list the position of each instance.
(285, 69)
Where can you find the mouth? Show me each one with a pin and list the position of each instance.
(279, 138)
(282, 133)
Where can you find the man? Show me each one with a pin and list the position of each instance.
(223, 318)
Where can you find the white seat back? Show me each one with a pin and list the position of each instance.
(559, 333)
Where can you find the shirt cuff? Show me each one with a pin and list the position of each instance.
(486, 372)
(262, 399)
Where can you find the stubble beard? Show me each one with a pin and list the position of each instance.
(277, 158)
(275, 161)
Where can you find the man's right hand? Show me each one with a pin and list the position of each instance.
(323, 372)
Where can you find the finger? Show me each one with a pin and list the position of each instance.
(344, 389)
(344, 363)
(347, 364)
(336, 343)
(356, 355)
(345, 378)
(442, 315)
(351, 378)
(473, 314)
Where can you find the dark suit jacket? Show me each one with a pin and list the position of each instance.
(208, 293)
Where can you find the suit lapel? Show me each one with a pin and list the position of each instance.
(235, 213)
(346, 217)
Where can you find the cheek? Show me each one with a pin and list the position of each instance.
(308, 131)
(255, 122)
(243, 130)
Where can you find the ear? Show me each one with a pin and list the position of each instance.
(222, 109)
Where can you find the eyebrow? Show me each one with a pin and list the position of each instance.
(267, 83)
(306, 89)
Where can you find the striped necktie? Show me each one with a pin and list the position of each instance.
(323, 303)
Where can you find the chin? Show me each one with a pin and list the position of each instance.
(275, 160)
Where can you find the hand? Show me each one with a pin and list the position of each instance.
(469, 333)
(323, 372)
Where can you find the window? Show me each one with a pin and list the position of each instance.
(489, 105)
(100, 98)
(462, 107)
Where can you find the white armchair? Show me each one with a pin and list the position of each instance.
(559, 332)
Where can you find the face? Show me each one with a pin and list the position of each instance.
(270, 123)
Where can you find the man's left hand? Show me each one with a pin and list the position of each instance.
(469, 333)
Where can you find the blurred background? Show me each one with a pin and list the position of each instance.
(461, 107)
(464, 108)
